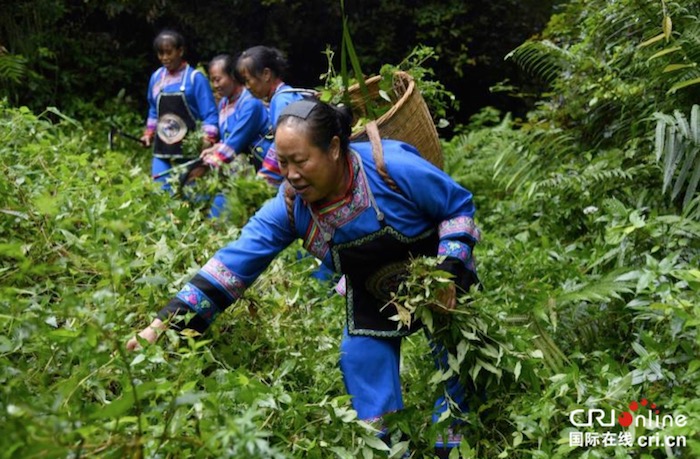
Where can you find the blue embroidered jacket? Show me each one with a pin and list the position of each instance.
(428, 199)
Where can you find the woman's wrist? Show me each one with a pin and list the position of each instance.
(158, 326)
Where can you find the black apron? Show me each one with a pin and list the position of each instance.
(175, 120)
(374, 266)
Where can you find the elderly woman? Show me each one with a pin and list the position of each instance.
(244, 122)
(263, 69)
(363, 209)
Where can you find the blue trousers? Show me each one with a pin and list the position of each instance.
(370, 368)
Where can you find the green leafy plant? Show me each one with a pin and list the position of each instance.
(436, 96)
(347, 52)
(678, 145)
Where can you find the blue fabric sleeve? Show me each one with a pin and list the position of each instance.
(152, 104)
(202, 104)
(438, 196)
(244, 125)
(226, 276)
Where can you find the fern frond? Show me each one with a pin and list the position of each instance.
(542, 59)
(615, 207)
(521, 167)
(588, 179)
(597, 290)
(677, 142)
(13, 68)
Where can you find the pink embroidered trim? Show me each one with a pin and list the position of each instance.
(337, 216)
(459, 226)
(225, 277)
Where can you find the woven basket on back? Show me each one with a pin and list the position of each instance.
(408, 120)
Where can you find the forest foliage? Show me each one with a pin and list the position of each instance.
(66, 53)
(589, 263)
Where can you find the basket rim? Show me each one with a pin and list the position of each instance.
(405, 76)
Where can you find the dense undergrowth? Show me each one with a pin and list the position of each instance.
(590, 275)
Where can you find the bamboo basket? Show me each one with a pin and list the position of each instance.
(408, 120)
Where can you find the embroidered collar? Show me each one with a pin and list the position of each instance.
(183, 66)
(354, 169)
(166, 76)
(329, 216)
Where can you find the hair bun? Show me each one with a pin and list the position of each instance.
(345, 116)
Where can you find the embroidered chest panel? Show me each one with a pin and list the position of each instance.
(167, 79)
(338, 214)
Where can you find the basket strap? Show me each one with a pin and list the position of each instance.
(289, 198)
(378, 154)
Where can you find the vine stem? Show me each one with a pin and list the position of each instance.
(137, 400)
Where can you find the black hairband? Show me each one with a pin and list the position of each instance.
(301, 109)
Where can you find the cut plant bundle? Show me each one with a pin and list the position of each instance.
(465, 328)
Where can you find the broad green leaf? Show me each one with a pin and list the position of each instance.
(675, 67)
(667, 27)
(116, 408)
(375, 443)
(652, 40)
(683, 84)
(517, 369)
(665, 52)
(695, 123)
(537, 354)
(660, 138)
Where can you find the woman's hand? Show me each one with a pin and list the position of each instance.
(211, 157)
(146, 140)
(208, 142)
(446, 298)
(149, 333)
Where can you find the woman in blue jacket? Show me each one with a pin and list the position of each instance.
(178, 97)
(244, 123)
(262, 69)
(364, 209)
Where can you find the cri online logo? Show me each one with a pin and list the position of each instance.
(626, 418)
(652, 420)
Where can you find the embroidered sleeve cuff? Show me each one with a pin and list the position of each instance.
(151, 124)
(211, 132)
(208, 294)
(228, 286)
(464, 277)
(174, 315)
(456, 249)
(460, 227)
(198, 301)
(225, 153)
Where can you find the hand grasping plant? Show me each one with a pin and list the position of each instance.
(150, 334)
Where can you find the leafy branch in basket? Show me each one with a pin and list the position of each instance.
(347, 51)
(438, 98)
